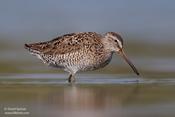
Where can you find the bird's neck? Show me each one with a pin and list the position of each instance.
(107, 45)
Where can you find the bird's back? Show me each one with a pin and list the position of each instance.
(66, 43)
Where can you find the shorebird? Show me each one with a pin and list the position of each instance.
(82, 51)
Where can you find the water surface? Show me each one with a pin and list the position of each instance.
(95, 95)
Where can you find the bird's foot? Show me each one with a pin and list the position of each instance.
(71, 79)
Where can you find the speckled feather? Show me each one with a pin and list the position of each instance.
(74, 52)
(80, 51)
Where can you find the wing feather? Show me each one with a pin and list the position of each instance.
(67, 43)
(71, 42)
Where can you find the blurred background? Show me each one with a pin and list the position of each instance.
(147, 27)
(148, 30)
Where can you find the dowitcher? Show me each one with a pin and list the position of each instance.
(80, 51)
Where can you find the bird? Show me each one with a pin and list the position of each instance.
(81, 51)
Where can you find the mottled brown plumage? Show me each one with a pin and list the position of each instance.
(79, 51)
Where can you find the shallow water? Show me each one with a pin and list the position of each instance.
(30, 89)
(95, 95)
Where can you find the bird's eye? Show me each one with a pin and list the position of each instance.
(116, 41)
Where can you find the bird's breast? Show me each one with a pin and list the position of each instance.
(95, 60)
(82, 60)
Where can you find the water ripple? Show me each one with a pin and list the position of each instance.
(81, 79)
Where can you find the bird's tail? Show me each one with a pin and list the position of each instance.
(35, 48)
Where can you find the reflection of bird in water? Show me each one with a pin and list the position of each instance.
(80, 51)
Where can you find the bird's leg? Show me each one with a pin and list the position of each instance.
(71, 78)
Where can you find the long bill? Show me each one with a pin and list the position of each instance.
(122, 53)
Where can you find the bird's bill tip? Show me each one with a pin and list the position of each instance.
(122, 53)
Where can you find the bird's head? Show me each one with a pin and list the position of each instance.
(115, 40)
(115, 44)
